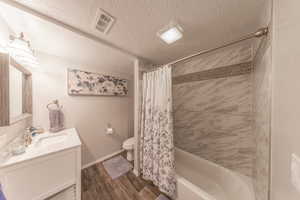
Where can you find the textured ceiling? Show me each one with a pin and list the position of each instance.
(206, 24)
(55, 40)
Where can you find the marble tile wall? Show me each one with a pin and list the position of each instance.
(213, 118)
(220, 72)
(262, 119)
(230, 56)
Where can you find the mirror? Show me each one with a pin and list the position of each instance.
(15, 90)
(15, 93)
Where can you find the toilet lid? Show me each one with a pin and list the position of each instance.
(129, 142)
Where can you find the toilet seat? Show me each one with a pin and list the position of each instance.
(129, 143)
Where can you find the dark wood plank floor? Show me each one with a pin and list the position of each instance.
(98, 185)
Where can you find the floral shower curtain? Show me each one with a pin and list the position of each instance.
(156, 142)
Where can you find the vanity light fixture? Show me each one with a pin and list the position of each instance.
(20, 50)
(171, 33)
(2, 49)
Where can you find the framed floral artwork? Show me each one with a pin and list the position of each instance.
(94, 84)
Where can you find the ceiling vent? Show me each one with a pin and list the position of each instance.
(104, 21)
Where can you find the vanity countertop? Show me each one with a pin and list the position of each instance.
(44, 144)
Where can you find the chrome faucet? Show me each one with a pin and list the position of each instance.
(28, 136)
(30, 133)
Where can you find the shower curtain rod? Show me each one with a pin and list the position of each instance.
(259, 33)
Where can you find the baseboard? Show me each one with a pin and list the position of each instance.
(102, 159)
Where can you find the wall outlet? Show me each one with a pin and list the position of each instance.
(295, 171)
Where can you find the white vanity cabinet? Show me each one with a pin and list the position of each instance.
(51, 164)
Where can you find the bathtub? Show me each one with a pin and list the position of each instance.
(199, 179)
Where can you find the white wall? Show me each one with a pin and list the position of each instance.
(286, 97)
(89, 115)
(4, 32)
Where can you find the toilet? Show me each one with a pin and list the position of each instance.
(128, 145)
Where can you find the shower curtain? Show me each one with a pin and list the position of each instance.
(156, 138)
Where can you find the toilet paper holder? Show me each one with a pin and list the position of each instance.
(109, 129)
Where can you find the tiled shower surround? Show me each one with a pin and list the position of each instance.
(213, 117)
(222, 105)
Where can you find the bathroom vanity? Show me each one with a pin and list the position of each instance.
(49, 169)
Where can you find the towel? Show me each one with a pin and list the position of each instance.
(56, 118)
(2, 197)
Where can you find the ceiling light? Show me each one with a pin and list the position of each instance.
(22, 52)
(171, 33)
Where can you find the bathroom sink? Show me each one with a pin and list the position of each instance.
(53, 163)
(45, 144)
(51, 139)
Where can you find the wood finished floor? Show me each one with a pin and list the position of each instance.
(98, 185)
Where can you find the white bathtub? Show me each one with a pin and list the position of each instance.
(199, 179)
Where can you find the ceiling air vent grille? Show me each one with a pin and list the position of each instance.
(104, 21)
